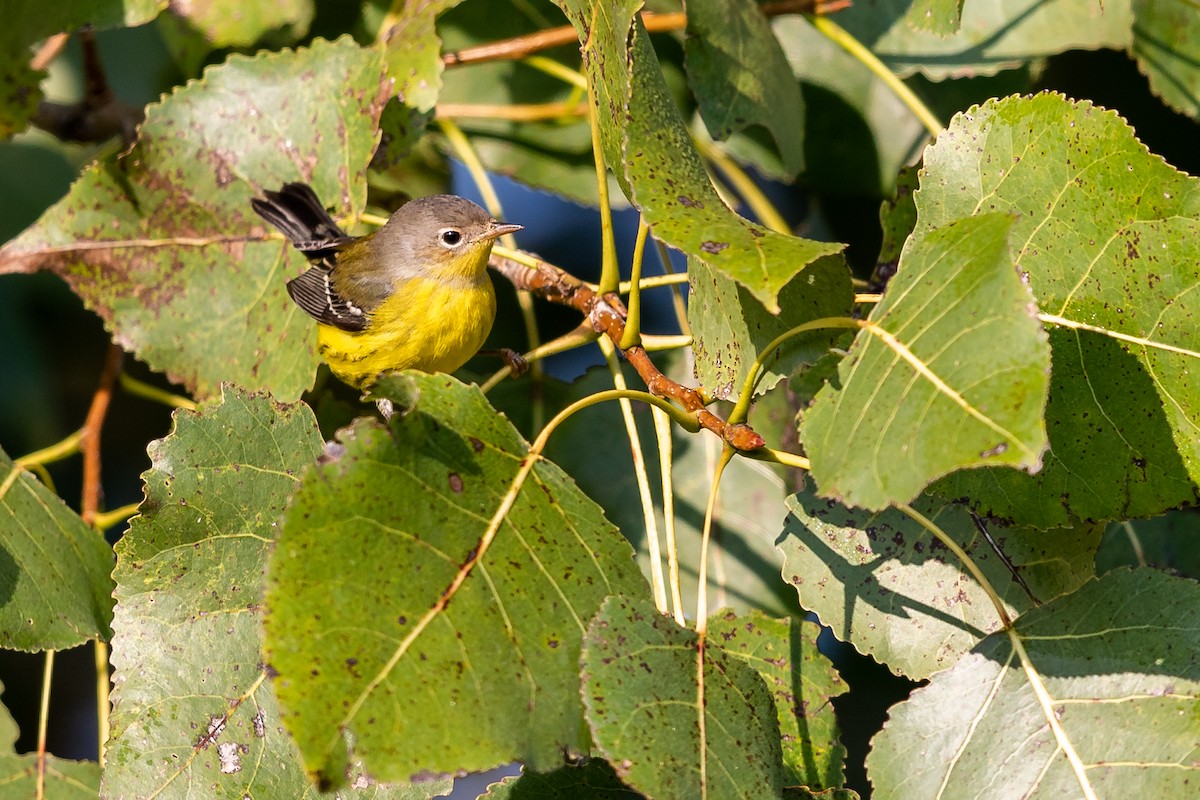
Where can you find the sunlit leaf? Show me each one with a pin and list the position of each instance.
(380, 622)
(1117, 661)
(55, 589)
(882, 582)
(951, 373)
(668, 733)
(163, 244)
(1107, 234)
(195, 28)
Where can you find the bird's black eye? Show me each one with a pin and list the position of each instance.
(451, 237)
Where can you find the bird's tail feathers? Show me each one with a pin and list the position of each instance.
(298, 214)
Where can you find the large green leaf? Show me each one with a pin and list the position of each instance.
(951, 373)
(1166, 44)
(993, 34)
(741, 77)
(1107, 234)
(383, 625)
(28, 22)
(192, 30)
(1119, 674)
(677, 720)
(941, 17)
(163, 243)
(882, 582)
(192, 705)
(648, 145)
(55, 589)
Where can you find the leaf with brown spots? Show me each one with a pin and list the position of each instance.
(649, 148)
(163, 244)
(465, 656)
(1108, 236)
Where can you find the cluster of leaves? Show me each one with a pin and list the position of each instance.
(426, 596)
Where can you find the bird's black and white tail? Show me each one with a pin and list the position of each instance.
(299, 215)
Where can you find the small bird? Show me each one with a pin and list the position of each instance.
(413, 294)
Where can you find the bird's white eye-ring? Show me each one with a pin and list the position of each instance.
(450, 237)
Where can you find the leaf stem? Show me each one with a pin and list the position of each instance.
(64, 448)
(610, 275)
(103, 520)
(103, 686)
(516, 112)
(633, 316)
(558, 70)
(662, 432)
(727, 454)
(664, 257)
(148, 392)
(841, 36)
(43, 722)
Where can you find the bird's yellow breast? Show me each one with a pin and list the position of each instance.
(429, 324)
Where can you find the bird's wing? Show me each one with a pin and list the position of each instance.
(314, 292)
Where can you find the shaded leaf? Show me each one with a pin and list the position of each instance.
(1166, 44)
(193, 29)
(992, 35)
(192, 705)
(413, 52)
(1170, 542)
(740, 76)
(381, 624)
(55, 589)
(65, 780)
(667, 735)
(647, 144)
(1119, 665)
(28, 22)
(730, 328)
(163, 244)
(802, 682)
(962, 383)
(1107, 234)
(882, 582)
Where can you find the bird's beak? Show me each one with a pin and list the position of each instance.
(498, 229)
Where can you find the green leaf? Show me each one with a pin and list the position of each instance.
(668, 735)
(1107, 234)
(740, 76)
(413, 53)
(1170, 542)
(882, 582)
(28, 22)
(897, 218)
(802, 682)
(648, 145)
(992, 36)
(940, 17)
(382, 623)
(592, 780)
(950, 373)
(55, 589)
(1166, 44)
(730, 328)
(1117, 661)
(192, 704)
(163, 244)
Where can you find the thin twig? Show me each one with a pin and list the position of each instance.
(90, 441)
(606, 314)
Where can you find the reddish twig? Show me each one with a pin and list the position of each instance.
(90, 441)
(521, 46)
(606, 314)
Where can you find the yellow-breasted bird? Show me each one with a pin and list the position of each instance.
(413, 294)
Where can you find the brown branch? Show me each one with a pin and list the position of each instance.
(527, 44)
(606, 314)
(100, 115)
(90, 441)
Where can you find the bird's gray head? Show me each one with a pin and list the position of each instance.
(437, 230)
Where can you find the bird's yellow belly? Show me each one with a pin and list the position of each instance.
(430, 325)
